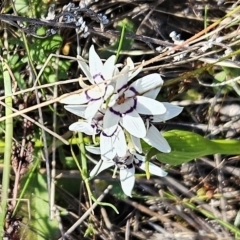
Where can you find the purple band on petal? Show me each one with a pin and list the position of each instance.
(104, 134)
(128, 111)
(133, 90)
(86, 93)
(115, 112)
(94, 99)
(98, 75)
(133, 107)
(95, 126)
(123, 87)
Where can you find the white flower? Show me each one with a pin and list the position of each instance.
(126, 104)
(153, 137)
(97, 73)
(126, 166)
(110, 145)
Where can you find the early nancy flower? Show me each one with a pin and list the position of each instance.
(110, 145)
(126, 104)
(126, 166)
(121, 112)
(97, 73)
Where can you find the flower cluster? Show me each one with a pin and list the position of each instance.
(122, 112)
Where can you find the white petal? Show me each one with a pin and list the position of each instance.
(127, 178)
(122, 80)
(135, 73)
(94, 150)
(156, 140)
(130, 63)
(119, 142)
(106, 147)
(132, 74)
(172, 111)
(113, 100)
(115, 74)
(85, 68)
(109, 91)
(76, 109)
(134, 124)
(84, 127)
(149, 106)
(136, 143)
(97, 92)
(154, 169)
(80, 98)
(138, 156)
(92, 108)
(146, 83)
(95, 65)
(101, 166)
(110, 122)
(152, 93)
(108, 67)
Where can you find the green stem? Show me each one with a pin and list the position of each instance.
(7, 148)
(83, 155)
(205, 16)
(121, 41)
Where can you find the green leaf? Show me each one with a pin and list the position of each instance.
(191, 94)
(117, 191)
(13, 60)
(187, 146)
(39, 227)
(52, 43)
(69, 163)
(21, 6)
(226, 146)
(41, 31)
(21, 81)
(52, 78)
(66, 184)
(220, 76)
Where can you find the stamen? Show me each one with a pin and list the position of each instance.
(115, 172)
(121, 99)
(94, 136)
(147, 124)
